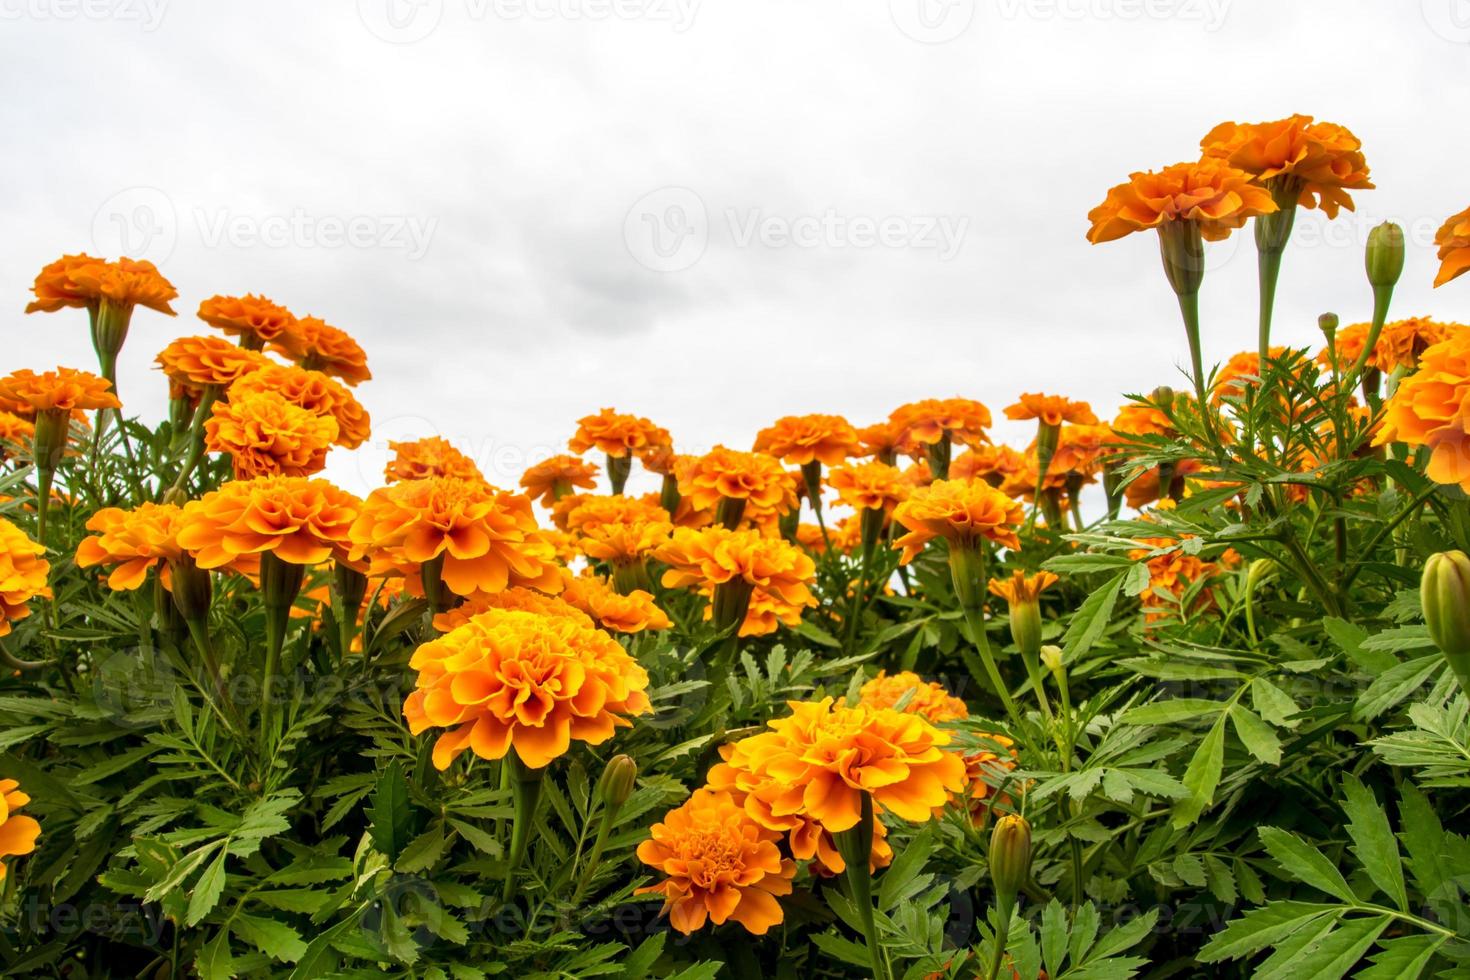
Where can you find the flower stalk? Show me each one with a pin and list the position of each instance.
(856, 846)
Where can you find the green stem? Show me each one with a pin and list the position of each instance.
(1003, 912)
(856, 847)
(975, 618)
(526, 794)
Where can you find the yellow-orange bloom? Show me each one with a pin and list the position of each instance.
(801, 439)
(313, 391)
(132, 540)
(994, 464)
(84, 282)
(1400, 343)
(825, 755)
(194, 363)
(1244, 370)
(487, 538)
(551, 479)
(1453, 239)
(1431, 407)
(18, 832)
(720, 864)
(631, 613)
(14, 431)
(524, 681)
(430, 456)
(869, 486)
(1321, 159)
(23, 573)
(712, 556)
(1137, 419)
(62, 391)
(255, 320)
(301, 521)
(1211, 193)
(617, 435)
(1051, 410)
(581, 512)
(265, 435)
(881, 440)
(1020, 588)
(925, 698)
(621, 543)
(962, 512)
(935, 420)
(319, 346)
(984, 768)
(1172, 572)
(726, 474)
(517, 599)
(56, 289)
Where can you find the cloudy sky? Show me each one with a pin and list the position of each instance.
(709, 212)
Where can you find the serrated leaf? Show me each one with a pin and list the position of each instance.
(388, 812)
(1401, 959)
(1373, 840)
(276, 939)
(1257, 736)
(1260, 928)
(1202, 775)
(207, 890)
(1306, 863)
(214, 961)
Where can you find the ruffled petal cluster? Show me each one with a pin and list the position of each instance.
(935, 420)
(131, 540)
(64, 390)
(255, 320)
(319, 346)
(18, 831)
(917, 696)
(801, 439)
(1325, 160)
(962, 512)
(1051, 410)
(617, 434)
(727, 474)
(1211, 193)
(313, 391)
(420, 459)
(712, 556)
(631, 613)
(301, 521)
(82, 281)
(869, 485)
(551, 479)
(1453, 239)
(266, 435)
(1431, 407)
(194, 363)
(23, 573)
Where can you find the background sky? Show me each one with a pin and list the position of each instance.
(709, 212)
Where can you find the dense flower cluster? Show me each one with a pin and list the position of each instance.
(23, 573)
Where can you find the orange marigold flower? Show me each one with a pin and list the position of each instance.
(83, 282)
(1051, 410)
(266, 435)
(993, 464)
(582, 512)
(255, 320)
(301, 521)
(23, 573)
(622, 543)
(616, 434)
(801, 439)
(18, 832)
(721, 865)
(14, 431)
(869, 486)
(985, 769)
(881, 440)
(631, 613)
(659, 458)
(551, 479)
(1020, 588)
(431, 456)
(132, 540)
(319, 346)
(487, 538)
(1172, 572)
(524, 681)
(1400, 343)
(1244, 370)
(1321, 160)
(1429, 409)
(517, 599)
(194, 363)
(55, 289)
(765, 613)
(1453, 239)
(1215, 195)
(1081, 450)
(1137, 419)
(960, 511)
(712, 556)
(920, 697)
(826, 754)
(313, 391)
(935, 420)
(62, 391)
(726, 474)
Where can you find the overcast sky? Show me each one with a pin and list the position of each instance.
(709, 212)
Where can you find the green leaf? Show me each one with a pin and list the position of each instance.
(1394, 685)
(1349, 638)
(638, 963)
(478, 838)
(1373, 841)
(1257, 736)
(388, 812)
(1273, 704)
(1172, 711)
(1331, 956)
(1401, 959)
(1053, 937)
(423, 851)
(1260, 928)
(1090, 619)
(1305, 862)
(276, 939)
(1202, 775)
(207, 890)
(214, 961)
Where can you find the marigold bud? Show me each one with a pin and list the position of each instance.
(616, 784)
(1445, 595)
(1010, 856)
(191, 588)
(1385, 258)
(1051, 657)
(1327, 323)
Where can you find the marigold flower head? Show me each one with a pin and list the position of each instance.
(430, 456)
(14, 431)
(301, 521)
(314, 392)
(524, 681)
(319, 346)
(712, 556)
(1431, 407)
(1081, 450)
(255, 320)
(583, 512)
(994, 464)
(266, 435)
(62, 391)
(616, 434)
(1322, 159)
(551, 479)
(1216, 196)
(721, 865)
(1400, 343)
(81, 281)
(194, 363)
(1021, 588)
(631, 613)
(1244, 370)
(487, 538)
(133, 541)
(1051, 410)
(801, 439)
(962, 512)
(1172, 571)
(518, 599)
(18, 831)
(726, 474)
(1453, 239)
(825, 755)
(765, 612)
(55, 289)
(23, 573)
(1137, 419)
(984, 769)
(935, 420)
(871, 485)
(925, 698)
(881, 440)
(621, 543)
(659, 459)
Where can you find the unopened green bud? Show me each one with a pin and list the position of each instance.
(1051, 658)
(1327, 323)
(191, 588)
(1010, 856)
(1445, 594)
(1385, 259)
(617, 780)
